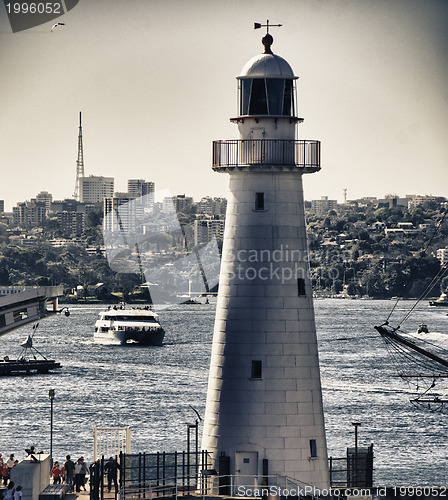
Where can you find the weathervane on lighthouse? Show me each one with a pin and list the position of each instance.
(258, 25)
(264, 413)
(267, 40)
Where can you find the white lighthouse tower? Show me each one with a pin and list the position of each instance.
(264, 415)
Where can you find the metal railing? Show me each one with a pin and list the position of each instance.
(252, 486)
(236, 153)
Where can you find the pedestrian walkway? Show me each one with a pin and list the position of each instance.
(82, 495)
(85, 495)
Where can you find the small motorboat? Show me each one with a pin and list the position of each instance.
(422, 328)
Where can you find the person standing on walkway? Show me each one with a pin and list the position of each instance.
(5, 474)
(80, 474)
(112, 468)
(10, 461)
(56, 473)
(69, 470)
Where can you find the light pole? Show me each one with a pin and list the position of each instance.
(356, 425)
(51, 396)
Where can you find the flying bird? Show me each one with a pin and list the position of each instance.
(57, 24)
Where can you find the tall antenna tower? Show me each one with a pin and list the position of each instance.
(79, 166)
(345, 195)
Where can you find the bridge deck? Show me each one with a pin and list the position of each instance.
(26, 306)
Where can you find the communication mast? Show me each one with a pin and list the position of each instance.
(79, 166)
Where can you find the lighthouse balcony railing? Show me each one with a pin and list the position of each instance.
(238, 153)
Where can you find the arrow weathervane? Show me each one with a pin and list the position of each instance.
(258, 25)
(267, 40)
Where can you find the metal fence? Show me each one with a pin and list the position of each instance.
(250, 486)
(150, 475)
(299, 154)
(160, 475)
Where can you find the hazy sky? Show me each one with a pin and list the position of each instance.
(155, 81)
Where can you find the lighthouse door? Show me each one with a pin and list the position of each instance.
(246, 469)
(258, 145)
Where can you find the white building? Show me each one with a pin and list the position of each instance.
(264, 412)
(95, 188)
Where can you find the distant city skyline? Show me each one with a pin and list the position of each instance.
(160, 196)
(155, 82)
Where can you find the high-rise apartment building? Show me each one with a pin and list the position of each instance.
(206, 228)
(140, 187)
(29, 212)
(212, 206)
(122, 212)
(46, 198)
(95, 188)
(67, 205)
(72, 223)
(323, 205)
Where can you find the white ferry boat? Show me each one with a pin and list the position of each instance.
(119, 325)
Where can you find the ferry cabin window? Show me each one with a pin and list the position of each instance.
(259, 201)
(256, 369)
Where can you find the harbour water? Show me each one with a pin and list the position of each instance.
(151, 389)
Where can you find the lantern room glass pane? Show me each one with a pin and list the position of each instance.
(288, 102)
(275, 88)
(245, 88)
(258, 102)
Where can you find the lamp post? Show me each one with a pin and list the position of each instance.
(355, 479)
(51, 396)
(196, 427)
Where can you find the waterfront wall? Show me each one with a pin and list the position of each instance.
(33, 476)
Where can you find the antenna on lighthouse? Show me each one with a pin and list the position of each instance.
(79, 165)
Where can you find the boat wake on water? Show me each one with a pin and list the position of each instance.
(362, 388)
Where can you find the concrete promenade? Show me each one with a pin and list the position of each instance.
(85, 495)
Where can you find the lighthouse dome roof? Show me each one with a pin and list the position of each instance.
(267, 66)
